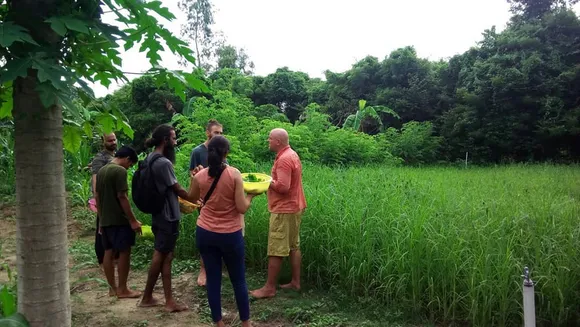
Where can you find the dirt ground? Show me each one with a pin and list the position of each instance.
(91, 305)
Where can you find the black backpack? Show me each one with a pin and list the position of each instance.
(144, 191)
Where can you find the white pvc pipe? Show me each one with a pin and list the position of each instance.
(529, 306)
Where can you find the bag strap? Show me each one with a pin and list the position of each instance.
(213, 185)
(154, 157)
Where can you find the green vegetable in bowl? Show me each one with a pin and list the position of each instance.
(252, 178)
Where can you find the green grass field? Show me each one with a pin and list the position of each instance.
(446, 244)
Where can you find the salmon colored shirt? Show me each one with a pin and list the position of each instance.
(219, 214)
(286, 194)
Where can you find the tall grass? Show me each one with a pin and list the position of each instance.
(446, 243)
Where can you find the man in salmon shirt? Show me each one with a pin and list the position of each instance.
(286, 203)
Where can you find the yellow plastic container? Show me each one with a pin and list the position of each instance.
(257, 187)
(186, 206)
(146, 231)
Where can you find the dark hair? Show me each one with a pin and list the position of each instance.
(127, 152)
(160, 134)
(211, 123)
(217, 148)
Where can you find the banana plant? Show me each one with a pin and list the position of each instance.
(354, 121)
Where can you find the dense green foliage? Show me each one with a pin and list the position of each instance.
(513, 97)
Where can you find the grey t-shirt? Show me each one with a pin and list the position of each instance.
(165, 178)
(99, 160)
(199, 157)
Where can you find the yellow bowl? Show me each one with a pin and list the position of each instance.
(146, 231)
(186, 206)
(257, 187)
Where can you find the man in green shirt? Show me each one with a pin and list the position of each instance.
(118, 224)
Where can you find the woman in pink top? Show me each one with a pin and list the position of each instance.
(219, 228)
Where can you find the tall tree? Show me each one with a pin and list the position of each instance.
(198, 29)
(284, 88)
(230, 57)
(48, 52)
(531, 9)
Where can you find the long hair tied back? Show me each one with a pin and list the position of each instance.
(217, 149)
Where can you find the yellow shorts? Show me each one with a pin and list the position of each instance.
(284, 234)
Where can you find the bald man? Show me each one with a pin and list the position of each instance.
(286, 203)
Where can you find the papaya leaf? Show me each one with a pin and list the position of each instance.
(57, 25)
(75, 24)
(47, 94)
(153, 46)
(10, 33)
(15, 68)
(52, 73)
(161, 11)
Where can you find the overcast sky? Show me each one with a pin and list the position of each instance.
(315, 35)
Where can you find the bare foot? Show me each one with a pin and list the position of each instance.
(290, 286)
(128, 294)
(201, 279)
(175, 307)
(153, 302)
(112, 292)
(263, 293)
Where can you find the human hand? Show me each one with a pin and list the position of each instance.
(195, 170)
(136, 226)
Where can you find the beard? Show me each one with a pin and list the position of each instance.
(169, 153)
(111, 148)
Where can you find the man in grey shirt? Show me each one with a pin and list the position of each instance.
(99, 160)
(198, 158)
(165, 224)
(198, 161)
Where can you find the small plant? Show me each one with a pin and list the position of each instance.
(8, 303)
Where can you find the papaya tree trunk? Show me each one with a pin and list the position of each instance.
(42, 256)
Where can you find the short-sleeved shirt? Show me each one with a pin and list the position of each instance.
(199, 157)
(99, 160)
(111, 180)
(164, 179)
(287, 195)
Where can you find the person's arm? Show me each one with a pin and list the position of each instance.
(283, 177)
(243, 201)
(170, 181)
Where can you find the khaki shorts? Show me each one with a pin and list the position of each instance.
(284, 234)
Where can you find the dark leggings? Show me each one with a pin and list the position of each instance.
(213, 247)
